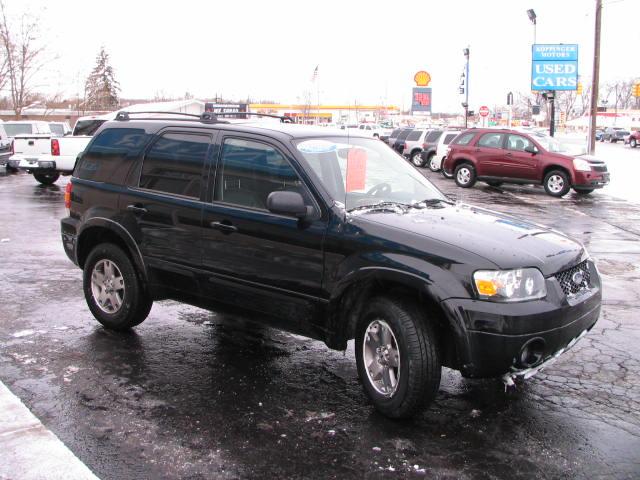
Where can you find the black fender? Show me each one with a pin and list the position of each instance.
(121, 232)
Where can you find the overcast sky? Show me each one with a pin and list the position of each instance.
(367, 51)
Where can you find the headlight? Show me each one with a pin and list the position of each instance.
(581, 165)
(510, 285)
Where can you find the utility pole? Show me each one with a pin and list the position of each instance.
(466, 87)
(596, 80)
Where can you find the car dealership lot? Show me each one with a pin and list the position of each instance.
(193, 394)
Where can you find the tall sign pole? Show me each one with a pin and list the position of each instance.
(466, 89)
(596, 80)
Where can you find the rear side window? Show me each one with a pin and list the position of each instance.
(491, 140)
(404, 134)
(174, 164)
(464, 138)
(14, 129)
(414, 135)
(432, 137)
(395, 133)
(87, 127)
(110, 155)
(250, 171)
(448, 137)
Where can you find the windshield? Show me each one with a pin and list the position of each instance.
(87, 127)
(362, 172)
(14, 129)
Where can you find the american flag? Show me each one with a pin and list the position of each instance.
(314, 77)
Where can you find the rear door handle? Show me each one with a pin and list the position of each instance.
(223, 227)
(136, 209)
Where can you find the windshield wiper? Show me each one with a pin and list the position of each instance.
(428, 202)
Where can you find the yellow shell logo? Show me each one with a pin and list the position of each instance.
(422, 78)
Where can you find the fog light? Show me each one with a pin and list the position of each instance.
(531, 353)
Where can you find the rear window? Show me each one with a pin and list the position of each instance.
(464, 138)
(56, 129)
(414, 135)
(432, 137)
(87, 127)
(110, 155)
(14, 129)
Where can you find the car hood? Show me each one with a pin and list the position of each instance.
(505, 241)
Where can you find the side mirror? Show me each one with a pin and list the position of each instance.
(287, 203)
(531, 149)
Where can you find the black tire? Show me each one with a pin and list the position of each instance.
(633, 143)
(583, 191)
(556, 183)
(429, 162)
(135, 302)
(465, 175)
(416, 158)
(491, 183)
(445, 174)
(419, 367)
(612, 140)
(46, 178)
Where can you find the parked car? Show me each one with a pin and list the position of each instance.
(328, 235)
(47, 156)
(614, 134)
(60, 129)
(412, 148)
(599, 133)
(370, 130)
(6, 147)
(26, 127)
(447, 136)
(428, 147)
(393, 136)
(497, 156)
(633, 139)
(399, 144)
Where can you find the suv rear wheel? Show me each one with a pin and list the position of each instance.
(397, 357)
(633, 143)
(465, 175)
(113, 290)
(416, 158)
(432, 162)
(556, 183)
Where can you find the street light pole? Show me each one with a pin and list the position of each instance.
(466, 87)
(596, 80)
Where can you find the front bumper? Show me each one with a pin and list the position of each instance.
(591, 179)
(515, 338)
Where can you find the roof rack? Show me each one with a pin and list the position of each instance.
(206, 117)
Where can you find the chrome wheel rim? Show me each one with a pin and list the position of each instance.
(555, 183)
(107, 286)
(464, 175)
(381, 357)
(417, 159)
(434, 166)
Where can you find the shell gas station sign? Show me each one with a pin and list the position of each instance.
(421, 93)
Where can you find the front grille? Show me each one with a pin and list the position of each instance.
(599, 168)
(567, 279)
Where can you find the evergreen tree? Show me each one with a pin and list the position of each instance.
(101, 87)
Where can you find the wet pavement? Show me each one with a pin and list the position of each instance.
(194, 394)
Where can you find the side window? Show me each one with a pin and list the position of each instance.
(464, 138)
(433, 136)
(447, 139)
(414, 135)
(491, 140)
(249, 171)
(109, 155)
(518, 143)
(174, 164)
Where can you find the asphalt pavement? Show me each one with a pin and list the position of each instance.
(196, 394)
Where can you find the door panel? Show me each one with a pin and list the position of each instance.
(489, 154)
(516, 162)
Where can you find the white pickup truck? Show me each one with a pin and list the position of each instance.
(47, 156)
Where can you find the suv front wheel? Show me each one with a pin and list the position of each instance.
(465, 175)
(556, 183)
(397, 357)
(113, 290)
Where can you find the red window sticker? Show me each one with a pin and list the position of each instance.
(356, 169)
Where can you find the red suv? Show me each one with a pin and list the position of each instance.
(498, 156)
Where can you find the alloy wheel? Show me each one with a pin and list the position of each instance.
(381, 357)
(107, 286)
(555, 183)
(464, 175)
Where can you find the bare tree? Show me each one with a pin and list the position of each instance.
(23, 57)
(566, 102)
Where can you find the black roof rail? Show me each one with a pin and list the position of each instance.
(213, 117)
(206, 117)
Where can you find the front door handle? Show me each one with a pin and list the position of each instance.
(136, 209)
(224, 227)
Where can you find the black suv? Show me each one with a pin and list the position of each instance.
(329, 235)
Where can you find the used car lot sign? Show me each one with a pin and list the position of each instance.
(554, 67)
